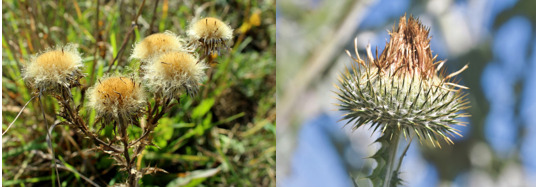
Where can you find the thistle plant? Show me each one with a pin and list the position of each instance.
(117, 98)
(403, 91)
(54, 69)
(173, 72)
(168, 70)
(156, 44)
(211, 34)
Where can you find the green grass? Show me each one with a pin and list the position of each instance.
(224, 135)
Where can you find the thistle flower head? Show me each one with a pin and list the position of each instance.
(172, 72)
(117, 97)
(403, 90)
(55, 68)
(156, 44)
(210, 33)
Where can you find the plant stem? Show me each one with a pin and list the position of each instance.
(20, 112)
(131, 180)
(404, 153)
(127, 37)
(391, 162)
(72, 114)
(151, 29)
(49, 138)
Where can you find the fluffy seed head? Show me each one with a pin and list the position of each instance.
(157, 44)
(55, 68)
(173, 72)
(401, 90)
(210, 33)
(117, 96)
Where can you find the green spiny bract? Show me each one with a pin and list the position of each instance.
(410, 104)
(401, 89)
(400, 92)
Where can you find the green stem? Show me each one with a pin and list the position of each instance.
(391, 162)
(404, 154)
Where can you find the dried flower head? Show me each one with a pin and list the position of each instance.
(210, 33)
(401, 90)
(170, 73)
(117, 97)
(55, 68)
(157, 44)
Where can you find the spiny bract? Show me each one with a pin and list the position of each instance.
(402, 90)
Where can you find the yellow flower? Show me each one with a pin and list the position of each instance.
(254, 20)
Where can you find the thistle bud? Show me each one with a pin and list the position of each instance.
(403, 90)
(156, 44)
(117, 97)
(211, 34)
(170, 73)
(55, 68)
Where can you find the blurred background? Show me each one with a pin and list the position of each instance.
(496, 38)
(223, 136)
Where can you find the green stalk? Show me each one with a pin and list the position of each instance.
(403, 154)
(385, 174)
(391, 163)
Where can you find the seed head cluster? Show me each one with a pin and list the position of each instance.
(403, 90)
(211, 34)
(167, 68)
(55, 68)
(117, 97)
(172, 72)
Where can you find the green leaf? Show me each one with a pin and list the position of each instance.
(194, 178)
(113, 43)
(203, 108)
(163, 132)
(35, 145)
